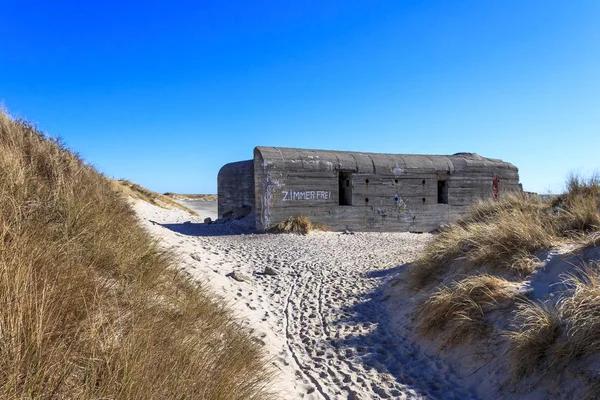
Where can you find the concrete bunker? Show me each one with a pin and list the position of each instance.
(360, 191)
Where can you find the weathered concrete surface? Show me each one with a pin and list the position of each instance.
(362, 191)
(236, 187)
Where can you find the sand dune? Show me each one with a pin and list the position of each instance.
(322, 317)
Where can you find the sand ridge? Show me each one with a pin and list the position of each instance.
(322, 318)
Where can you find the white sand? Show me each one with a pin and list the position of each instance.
(323, 319)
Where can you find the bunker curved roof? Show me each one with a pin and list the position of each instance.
(235, 168)
(374, 163)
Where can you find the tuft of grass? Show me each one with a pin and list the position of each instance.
(550, 338)
(578, 210)
(501, 234)
(538, 329)
(139, 192)
(506, 234)
(458, 311)
(485, 211)
(592, 240)
(593, 391)
(91, 308)
(578, 186)
(299, 224)
(580, 313)
(318, 226)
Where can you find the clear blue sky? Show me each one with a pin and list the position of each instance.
(165, 93)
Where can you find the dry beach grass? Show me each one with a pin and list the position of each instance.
(458, 311)
(139, 192)
(90, 305)
(498, 234)
(550, 337)
(300, 224)
(491, 255)
(505, 234)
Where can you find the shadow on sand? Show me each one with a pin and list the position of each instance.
(192, 229)
(387, 351)
(386, 273)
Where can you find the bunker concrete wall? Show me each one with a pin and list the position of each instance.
(235, 185)
(389, 192)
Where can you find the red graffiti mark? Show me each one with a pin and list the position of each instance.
(496, 187)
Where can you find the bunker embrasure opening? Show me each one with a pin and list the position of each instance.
(345, 188)
(442, 192)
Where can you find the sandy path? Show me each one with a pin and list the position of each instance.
(321, 318)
